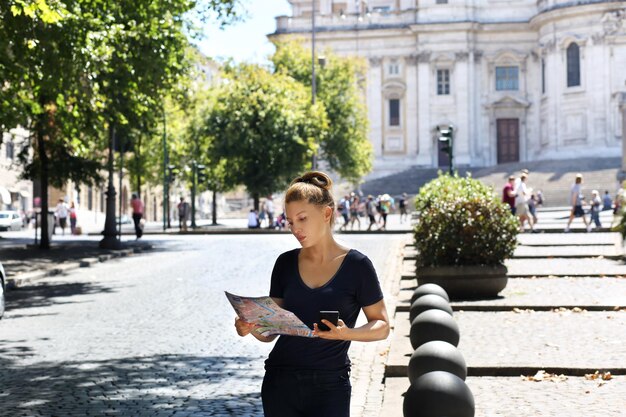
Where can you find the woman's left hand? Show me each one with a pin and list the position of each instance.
(338, 332)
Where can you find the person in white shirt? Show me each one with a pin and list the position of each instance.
(253, 220)
(522, 194)
(577, 199)
(61, 213)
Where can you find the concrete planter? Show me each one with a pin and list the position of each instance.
(466, 282)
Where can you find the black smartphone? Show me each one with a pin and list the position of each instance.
(331, 316)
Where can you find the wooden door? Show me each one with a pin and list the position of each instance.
(444, 158)
(508, 140)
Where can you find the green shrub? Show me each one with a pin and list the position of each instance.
(463, 222)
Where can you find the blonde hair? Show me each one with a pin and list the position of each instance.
(314, 187)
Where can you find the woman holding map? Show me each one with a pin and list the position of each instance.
(310, 376)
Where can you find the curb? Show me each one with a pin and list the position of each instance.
(27, 278)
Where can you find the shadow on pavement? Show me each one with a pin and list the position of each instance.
(135, 386)
(47, 294)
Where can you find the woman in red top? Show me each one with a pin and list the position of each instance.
(137, 205)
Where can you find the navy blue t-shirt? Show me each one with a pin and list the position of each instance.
(354, 285)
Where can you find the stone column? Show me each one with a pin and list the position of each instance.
(411, 112)
(374, 105)
(425, 148)
(462, 134)
(622, 107)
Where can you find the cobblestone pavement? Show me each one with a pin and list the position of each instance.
(574, 292)
(153, 335)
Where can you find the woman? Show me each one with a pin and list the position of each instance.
(73, 218)
(310, 376)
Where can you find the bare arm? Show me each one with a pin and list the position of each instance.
(376, 328)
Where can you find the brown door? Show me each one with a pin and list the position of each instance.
(444, 158)
(508, 140)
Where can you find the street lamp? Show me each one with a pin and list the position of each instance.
(313, 86)
(195, 168)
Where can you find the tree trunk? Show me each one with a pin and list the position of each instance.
(43, 178)
(256, 198)
(138, 167)
(214, 208)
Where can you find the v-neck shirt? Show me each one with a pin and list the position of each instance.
(355, 285)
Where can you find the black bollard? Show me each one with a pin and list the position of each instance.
(429, 289)
(434, 325)
(436, 356)
(428, 302)
(438, 394)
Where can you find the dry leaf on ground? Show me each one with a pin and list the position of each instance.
(544, 376)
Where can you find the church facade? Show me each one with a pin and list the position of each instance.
(521, 80)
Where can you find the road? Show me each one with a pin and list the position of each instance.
(150, 335)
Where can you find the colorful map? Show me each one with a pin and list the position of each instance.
(268, 316)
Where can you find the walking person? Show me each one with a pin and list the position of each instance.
(596, 208)
(576, 200)
(508, 193)
(137, 209)
(183, 214)
(402, 203)
(311, 376)
(354, 212)
(61, 213)
(607, 202)
(344, 209)
(385, 207)
(522, 195)
(73, 218)
(370, 208)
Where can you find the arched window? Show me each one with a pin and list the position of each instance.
(573, 65)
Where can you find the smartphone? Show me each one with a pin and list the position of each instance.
(331, 316)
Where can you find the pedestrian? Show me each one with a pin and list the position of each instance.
(354, 212)
(183, 214)
(344, 209)
(402, 204)
(73, 218)
(385, 208)
(311, 376)
(269, 211)
(61, 213)
(508, 193)
(576, 200)
(370, 208)
(262, 216)
(596, 208)
(253, 220)
(522, 195)
(532, 208)
(607, 203)
(137, 209)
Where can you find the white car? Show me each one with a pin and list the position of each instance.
(10, 220)
(2, 278)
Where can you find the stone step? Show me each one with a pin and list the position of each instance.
(572, 397)
(529, 340)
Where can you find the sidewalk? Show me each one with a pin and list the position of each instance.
(23, 263)
(561, 315)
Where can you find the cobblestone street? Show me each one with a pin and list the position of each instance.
(153, 335)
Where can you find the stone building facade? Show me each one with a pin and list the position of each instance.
(519, 80)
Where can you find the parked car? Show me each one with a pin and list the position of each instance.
(2, 281)
(10, 220)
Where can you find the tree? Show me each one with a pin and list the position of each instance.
(260, 129)
(339, 85)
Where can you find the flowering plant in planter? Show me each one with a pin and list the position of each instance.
(463, 223)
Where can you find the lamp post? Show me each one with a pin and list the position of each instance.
(166, 188)
(313, 85)
(110, 240)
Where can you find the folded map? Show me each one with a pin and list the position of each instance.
(268, 316)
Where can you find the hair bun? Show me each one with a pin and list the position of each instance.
(316, 178)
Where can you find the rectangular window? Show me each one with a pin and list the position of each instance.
(507, 78)
(10, 149)
(394, 112)
(394, 68)
(443, 82)
(441, 2)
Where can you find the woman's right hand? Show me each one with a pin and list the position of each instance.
(243, 327)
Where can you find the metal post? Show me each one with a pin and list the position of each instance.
(110, 234)
(194, 167)
(121, 175)
(166, 190)
(313, 85)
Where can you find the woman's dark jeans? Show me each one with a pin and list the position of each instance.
(290, 393)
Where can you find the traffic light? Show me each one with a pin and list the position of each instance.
(446, 137)
(202, 174)
(173, 171)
